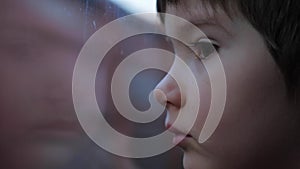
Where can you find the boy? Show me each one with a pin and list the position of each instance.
(258, 44)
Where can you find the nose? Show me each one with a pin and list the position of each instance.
(167, 92)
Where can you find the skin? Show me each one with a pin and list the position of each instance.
(258, 126)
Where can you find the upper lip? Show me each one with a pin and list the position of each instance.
(189, 140)
(178, 131)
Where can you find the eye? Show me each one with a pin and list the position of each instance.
(204, 48)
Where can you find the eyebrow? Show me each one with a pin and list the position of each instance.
(210, 21)
(205, 19)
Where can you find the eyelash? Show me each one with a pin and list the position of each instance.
(199, 53)
(216, 46)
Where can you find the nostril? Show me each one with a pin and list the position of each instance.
(160, 96)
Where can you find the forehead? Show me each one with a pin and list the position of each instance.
(191, 10)
(202, 13)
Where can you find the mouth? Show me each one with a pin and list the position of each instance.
(178, 138)
(184, 141)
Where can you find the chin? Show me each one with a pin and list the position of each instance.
(194, 160)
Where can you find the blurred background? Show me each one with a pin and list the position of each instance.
(39, 43)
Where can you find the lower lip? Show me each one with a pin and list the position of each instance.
(178, 138)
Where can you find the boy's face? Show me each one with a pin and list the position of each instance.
(252, 124)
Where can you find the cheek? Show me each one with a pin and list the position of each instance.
(253, 79)
(255, 102)
(250, 78)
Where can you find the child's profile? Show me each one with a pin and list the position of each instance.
(258, 43)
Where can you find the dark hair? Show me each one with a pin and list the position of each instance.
(277, 21)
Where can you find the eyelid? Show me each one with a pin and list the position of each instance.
(203, 48)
